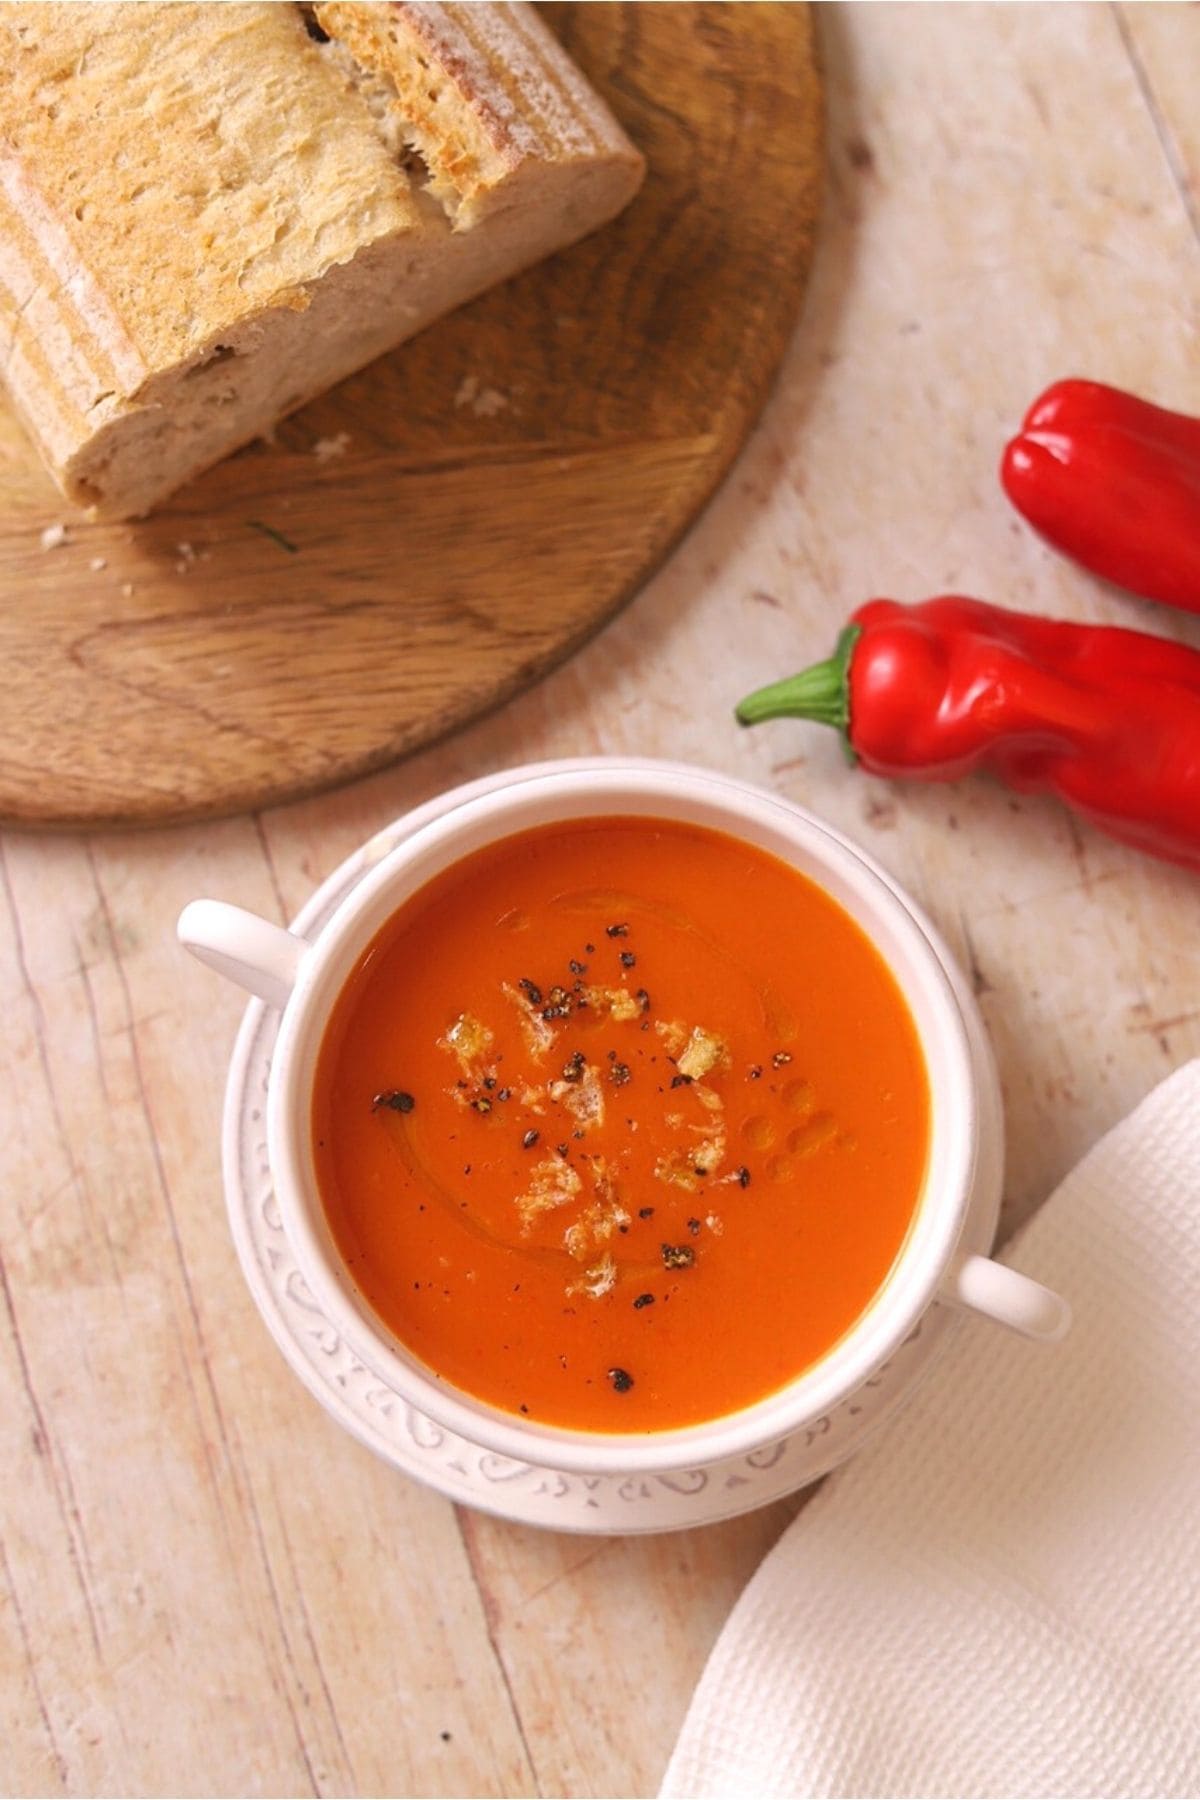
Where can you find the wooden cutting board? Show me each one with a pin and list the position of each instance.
(441, 529)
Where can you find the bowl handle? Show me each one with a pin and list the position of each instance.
(978, 1284)
(261, 957)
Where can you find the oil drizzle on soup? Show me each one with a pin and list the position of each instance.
(620, 1125)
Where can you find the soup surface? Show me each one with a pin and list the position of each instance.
(620, 1124)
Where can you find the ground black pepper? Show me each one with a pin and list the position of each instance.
(529, 1140)
(643, 1300)
(395, 1099)
(621, 1379)
(616, 930)
(677, 1256)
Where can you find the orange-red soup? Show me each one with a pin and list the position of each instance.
(619, 1125)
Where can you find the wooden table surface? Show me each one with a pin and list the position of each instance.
(205, 1586)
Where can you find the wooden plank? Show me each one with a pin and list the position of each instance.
(1161, 42)
(192, 1531)
(604, 1640)
(205, 1586)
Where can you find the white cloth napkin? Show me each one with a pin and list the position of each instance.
(1001, 1594)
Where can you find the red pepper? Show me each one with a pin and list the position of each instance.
(1106, 719)
(1115, 483)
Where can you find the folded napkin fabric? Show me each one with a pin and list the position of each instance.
(1001, 1594)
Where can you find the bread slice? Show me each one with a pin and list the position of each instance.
(209, 214)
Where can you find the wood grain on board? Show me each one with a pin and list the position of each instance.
(442, 528)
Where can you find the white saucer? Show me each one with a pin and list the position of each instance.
(525, 1492)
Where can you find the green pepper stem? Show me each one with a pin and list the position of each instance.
(821, 693)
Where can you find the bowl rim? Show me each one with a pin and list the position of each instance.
(654, 789)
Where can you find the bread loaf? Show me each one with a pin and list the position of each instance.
(209, 214)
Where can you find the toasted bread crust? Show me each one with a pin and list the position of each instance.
(202, 223)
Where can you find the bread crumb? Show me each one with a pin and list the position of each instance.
(97, 563)
(553, 1183)
(488, 402)
(485, 402)
(617, 1004)
(326, 448)
(54, 537)
(127, 590)
(583, 1097)
(703, 1052)
(469, 1040)
(537, 1032)
(597, 1281)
